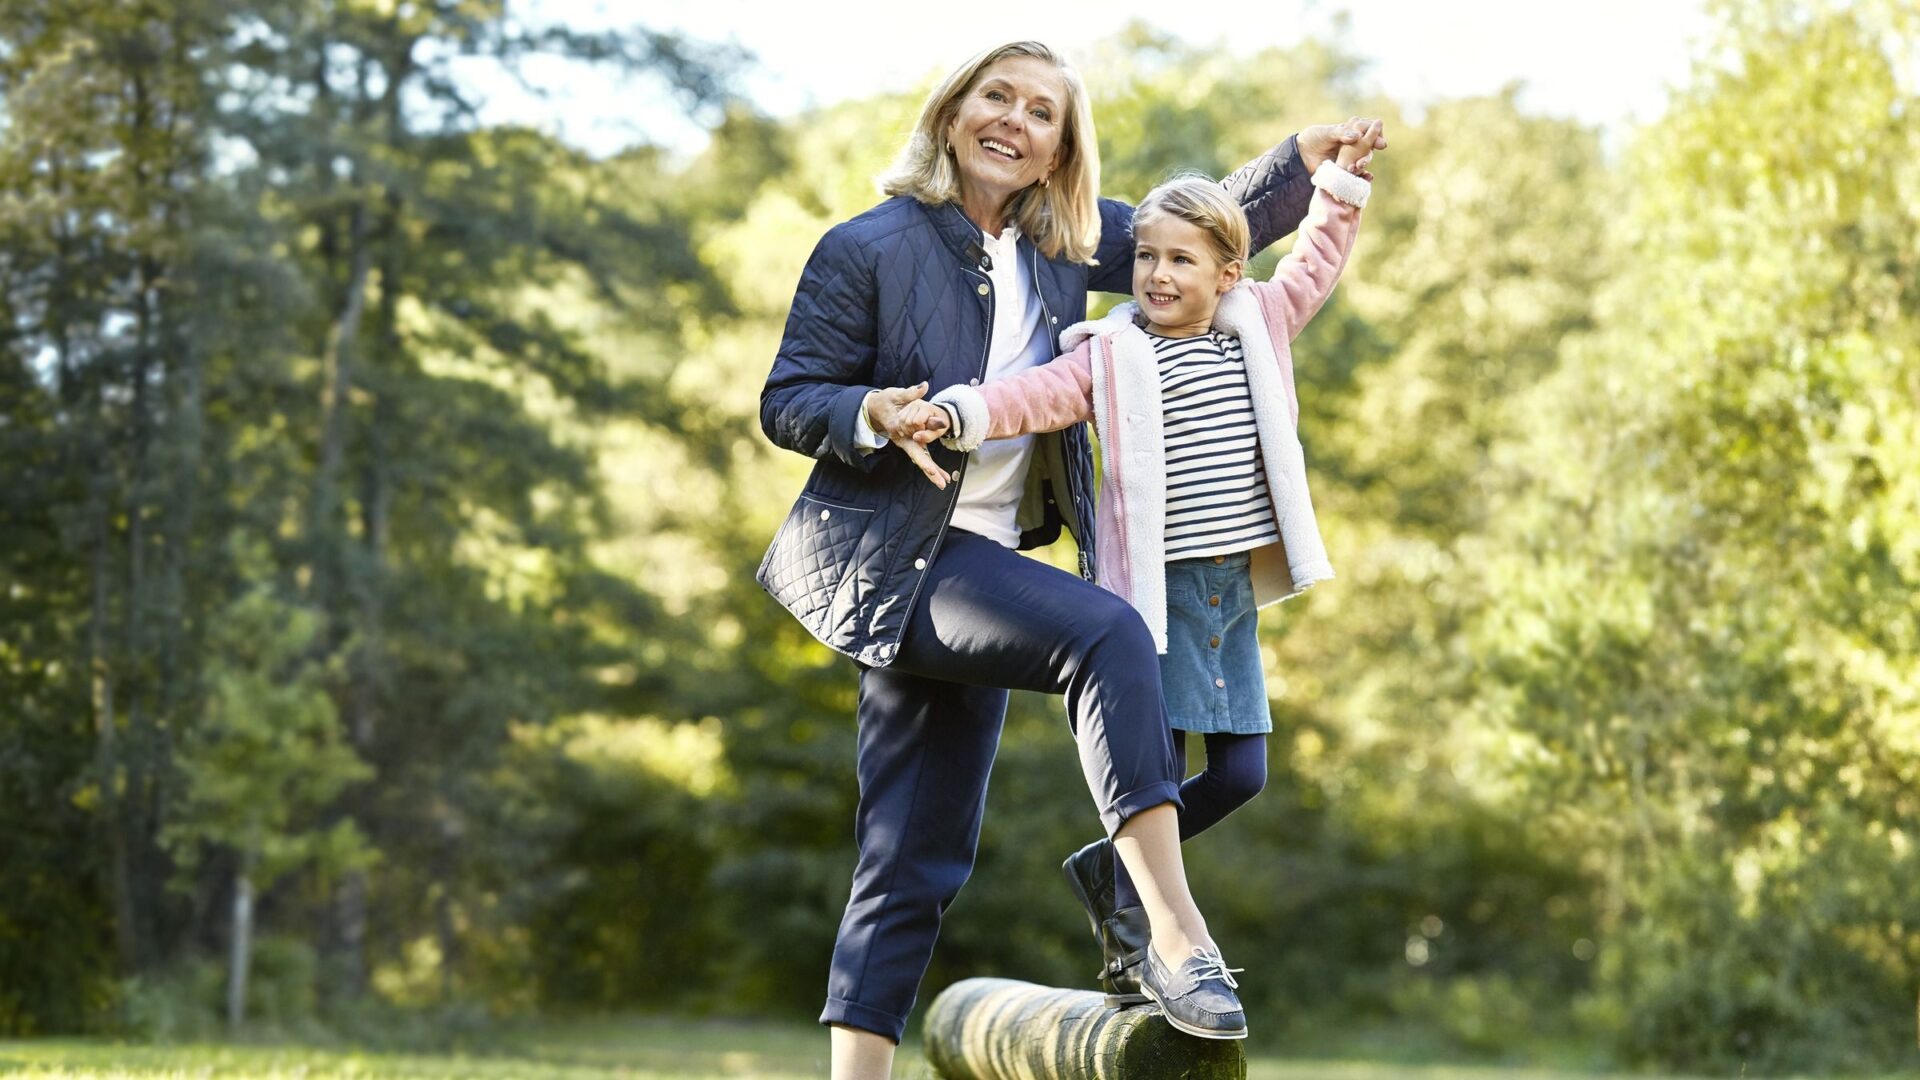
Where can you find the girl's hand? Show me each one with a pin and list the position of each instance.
(1322, 141)
(1355, 156)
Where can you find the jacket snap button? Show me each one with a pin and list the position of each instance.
(919, 564)
(1053, 318)
(982, 290)
(973, 382)
(825, 514)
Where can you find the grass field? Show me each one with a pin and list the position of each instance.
(649, 1048)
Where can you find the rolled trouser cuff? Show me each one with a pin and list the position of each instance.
(855, 1015)
(1143, 798)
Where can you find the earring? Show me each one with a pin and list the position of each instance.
(1047, 179)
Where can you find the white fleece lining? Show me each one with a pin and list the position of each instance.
(974, 421)
(1306, 554)
(1341, 184)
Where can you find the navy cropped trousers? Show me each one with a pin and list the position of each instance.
(988, 620)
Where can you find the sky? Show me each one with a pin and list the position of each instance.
(1608, 63)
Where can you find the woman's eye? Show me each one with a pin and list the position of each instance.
(1043, 116)
(995, 95)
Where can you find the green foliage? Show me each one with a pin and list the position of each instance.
(269, 755)
(187, 1004)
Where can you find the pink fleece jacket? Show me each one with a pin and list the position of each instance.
(1109, 376)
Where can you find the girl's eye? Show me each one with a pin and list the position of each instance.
(1141, 256)
(1182, 259)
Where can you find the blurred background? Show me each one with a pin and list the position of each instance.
(381, 486)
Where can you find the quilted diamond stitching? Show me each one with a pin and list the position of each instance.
(809, 556)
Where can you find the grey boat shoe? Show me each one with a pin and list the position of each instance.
(1198, 999)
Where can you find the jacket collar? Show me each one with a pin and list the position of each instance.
(1062, 285)
(958, 233)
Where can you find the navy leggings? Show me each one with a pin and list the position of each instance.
(1236, 771)
(988, 619)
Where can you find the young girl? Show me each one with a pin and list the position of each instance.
(1203, 514)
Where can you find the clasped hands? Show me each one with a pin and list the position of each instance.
(910, 422)
(1350, 145)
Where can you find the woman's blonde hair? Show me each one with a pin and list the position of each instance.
(1061, 217)
(1197, 200)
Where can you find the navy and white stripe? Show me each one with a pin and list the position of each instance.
(1217, 501)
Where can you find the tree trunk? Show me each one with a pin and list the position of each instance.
(106, 750)
(335, 402)
(240, 957)
(1001, 1029)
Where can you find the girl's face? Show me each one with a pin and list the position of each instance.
(1177, 280)
(1006, 133)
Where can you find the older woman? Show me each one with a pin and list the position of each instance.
(992, 238)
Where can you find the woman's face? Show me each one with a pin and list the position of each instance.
(1006, 134)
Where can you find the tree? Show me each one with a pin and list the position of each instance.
(258, 768)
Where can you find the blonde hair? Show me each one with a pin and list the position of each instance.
(1061, 217)
(1197, 200)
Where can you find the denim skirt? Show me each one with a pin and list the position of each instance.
(1211, 673)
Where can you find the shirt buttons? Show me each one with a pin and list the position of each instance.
(981, 289)
(919, 564)
(1214, 641)
(1213, 601)
(1220, 684)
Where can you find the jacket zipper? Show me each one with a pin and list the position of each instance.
(953, 500)
(1118, 469)
(1053, 346)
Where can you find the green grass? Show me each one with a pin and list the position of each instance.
(648, 1048)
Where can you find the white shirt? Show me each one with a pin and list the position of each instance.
(996, 478)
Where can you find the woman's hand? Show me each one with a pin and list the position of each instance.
(1355, 155)
(910, 424)
(1322, 141)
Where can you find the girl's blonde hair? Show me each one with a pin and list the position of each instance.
(1197, 200)
(1061, 217)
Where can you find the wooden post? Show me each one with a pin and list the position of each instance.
(1002, 1029)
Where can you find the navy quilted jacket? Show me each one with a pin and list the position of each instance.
(895, 297)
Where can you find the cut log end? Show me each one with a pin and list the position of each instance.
(1002, 1029)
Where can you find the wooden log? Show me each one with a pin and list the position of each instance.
(1003, 1029)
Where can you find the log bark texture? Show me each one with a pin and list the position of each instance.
(1002, 1029)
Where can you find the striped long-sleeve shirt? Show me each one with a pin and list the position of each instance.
(1217, 501)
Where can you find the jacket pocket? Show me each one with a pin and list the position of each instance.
(809, 557)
